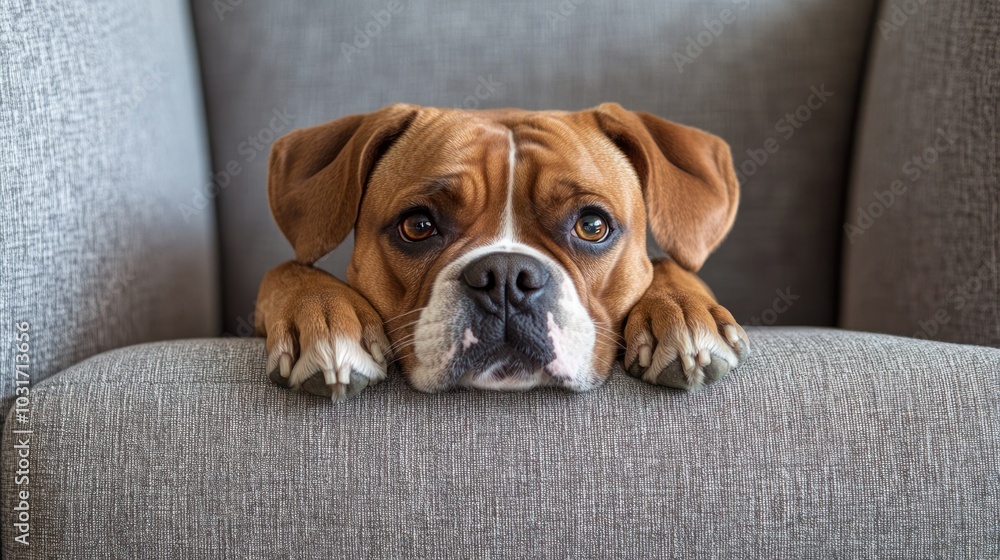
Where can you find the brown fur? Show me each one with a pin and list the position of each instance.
(362, 171)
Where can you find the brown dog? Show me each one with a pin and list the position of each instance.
(499, 249)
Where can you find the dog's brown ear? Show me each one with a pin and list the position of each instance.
(687, 177)
(316, 176)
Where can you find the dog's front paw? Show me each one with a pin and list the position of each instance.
(330, 344)
(683, 340)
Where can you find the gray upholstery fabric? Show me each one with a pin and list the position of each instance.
(310, 61)
(102, 140)
(923, 248)
(825, 444)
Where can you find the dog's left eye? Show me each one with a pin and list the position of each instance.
(417, 227)
(591, 227)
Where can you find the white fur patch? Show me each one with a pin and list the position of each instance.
(486, 380)
(468, 339)
(336, 358)
(569, 345)
(442, 328)
(689, 347)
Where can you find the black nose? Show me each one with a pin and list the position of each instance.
(500, 280)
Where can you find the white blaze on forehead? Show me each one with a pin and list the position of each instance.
(507, 228)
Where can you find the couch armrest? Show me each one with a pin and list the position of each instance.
(922, 227)
(824, 444)
(104, 238)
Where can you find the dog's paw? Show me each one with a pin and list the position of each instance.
(682, 340)
(330, 344)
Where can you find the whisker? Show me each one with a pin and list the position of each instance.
(407, 355)
(401, 343)
(608, 338)
(608, 331)
(403, 327)
(405, 314)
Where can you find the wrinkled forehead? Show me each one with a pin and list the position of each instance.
(465, 159)
(435, 157)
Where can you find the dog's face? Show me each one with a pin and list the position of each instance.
(503, 249)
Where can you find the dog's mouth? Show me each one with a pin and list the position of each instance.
(502, 362)
(503, 368)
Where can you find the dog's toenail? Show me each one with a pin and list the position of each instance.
(645, 355)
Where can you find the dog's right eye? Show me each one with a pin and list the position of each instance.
(418, 226)
(592, 227)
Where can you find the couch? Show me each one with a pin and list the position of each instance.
(134, 232)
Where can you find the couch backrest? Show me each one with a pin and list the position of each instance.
(102, 144)
(923, 221)
(778, 79)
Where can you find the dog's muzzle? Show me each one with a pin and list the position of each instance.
(513, 294)
(505, 316)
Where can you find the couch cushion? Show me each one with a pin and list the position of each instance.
(102, 149)
(824, 444)
(763, 81)
(922, 228)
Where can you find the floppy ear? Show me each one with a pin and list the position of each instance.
(687, 178)
(316, 176)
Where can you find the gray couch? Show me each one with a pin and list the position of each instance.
(134, 231)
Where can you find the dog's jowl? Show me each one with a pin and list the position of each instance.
(498, 249)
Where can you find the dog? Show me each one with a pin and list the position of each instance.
(498, 249)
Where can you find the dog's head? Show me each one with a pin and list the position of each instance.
(503, 248)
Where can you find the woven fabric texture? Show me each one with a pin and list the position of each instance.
(825, 444)
(923, 222)
(777, 79)
(102, 141)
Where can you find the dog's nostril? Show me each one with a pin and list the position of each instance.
(527, 282)
(480, 278)
(497, 280)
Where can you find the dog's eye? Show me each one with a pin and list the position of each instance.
(591, 227)
(417, 227)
